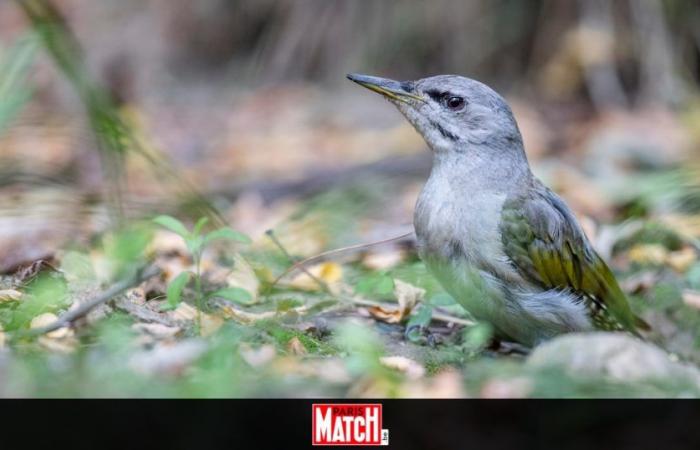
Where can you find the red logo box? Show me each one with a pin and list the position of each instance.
(348, 424)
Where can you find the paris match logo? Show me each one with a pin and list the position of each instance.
(348, 424)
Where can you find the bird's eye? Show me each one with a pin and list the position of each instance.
(454, 102)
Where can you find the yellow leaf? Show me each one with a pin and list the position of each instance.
(682, 259)
(328, 272)
(653, 254)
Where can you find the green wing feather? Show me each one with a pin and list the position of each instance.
(548, 248)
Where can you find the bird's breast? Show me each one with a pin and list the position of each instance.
(458, 222)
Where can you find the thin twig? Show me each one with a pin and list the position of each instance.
(437, 315)
(116, 289)
(291, 259)
(301, 264)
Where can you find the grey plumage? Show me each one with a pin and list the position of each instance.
(500, 242)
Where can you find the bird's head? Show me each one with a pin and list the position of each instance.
(454, 114)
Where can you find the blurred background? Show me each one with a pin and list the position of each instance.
(116, 110)
(249, 99)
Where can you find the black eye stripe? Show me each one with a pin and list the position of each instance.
(436, 95)
(445, 98)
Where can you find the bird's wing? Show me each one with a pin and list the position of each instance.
(545, 243)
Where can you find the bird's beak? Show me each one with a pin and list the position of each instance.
(394, 90)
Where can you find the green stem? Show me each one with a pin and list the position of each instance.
(198, 288)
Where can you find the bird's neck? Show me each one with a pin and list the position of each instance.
(484, 168)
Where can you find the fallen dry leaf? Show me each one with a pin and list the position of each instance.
(244, 316)
(654, 254)
(328, 272)
(688, 226)
(184, 312)
(171, 267)
(231, 312)
(296, 347)
(243, 276)
(209, 324)
(383, 260)
(10, 295)
(45, 319)
(166, 242)
(407, 366)
(682, 259)
(156, 330)
(407, 295)
(691, 298)
(66, 344)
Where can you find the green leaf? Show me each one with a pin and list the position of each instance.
(194, 244)
(477, 336)
(385, 286)
(442, 299)
(693, 276)
(45, 294)
(234, 294)
(199, 225)
(174, 291)
(15, 65)
(125, 249)
(172, 224)
(228, 234)
(377, 284)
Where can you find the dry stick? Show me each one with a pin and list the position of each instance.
(273, 238)
(301, 264)
(83, 309)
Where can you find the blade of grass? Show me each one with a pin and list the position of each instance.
(115, 136)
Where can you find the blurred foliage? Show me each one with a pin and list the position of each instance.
(15, 91)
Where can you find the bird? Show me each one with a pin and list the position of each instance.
(506, 247)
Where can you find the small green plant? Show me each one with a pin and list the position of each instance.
(196, 241)
(377, 284)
